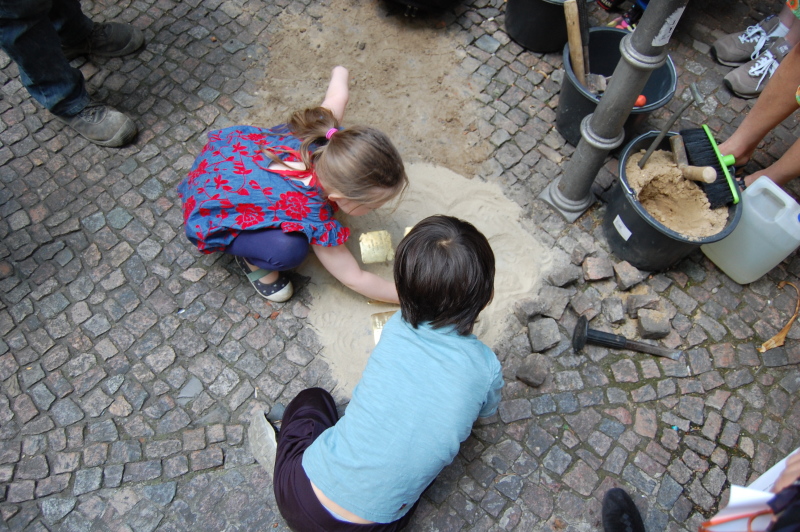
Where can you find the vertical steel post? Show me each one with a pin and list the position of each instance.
(642, 51)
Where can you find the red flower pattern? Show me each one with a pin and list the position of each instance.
(288, 227)
(249, 215)
(294, 204)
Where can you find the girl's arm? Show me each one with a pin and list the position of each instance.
(340, 262)
(337, 95)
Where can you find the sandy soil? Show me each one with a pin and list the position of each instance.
(402, 79)
(341, 317)
(677, 203)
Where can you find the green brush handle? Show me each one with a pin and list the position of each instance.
(723, 161)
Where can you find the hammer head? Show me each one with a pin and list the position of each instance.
(580, 333)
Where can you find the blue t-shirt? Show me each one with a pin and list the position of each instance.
(416, 402)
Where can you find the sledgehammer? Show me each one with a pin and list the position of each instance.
(583, 335)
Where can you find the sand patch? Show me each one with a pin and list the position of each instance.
(341, 317)
(679, 204)
(404, 79)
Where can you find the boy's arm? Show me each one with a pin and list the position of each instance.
(340, 262)
(493, 397)
(337, 94)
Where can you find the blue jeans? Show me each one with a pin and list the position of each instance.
(32, 33)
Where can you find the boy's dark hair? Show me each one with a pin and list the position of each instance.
(444, 272)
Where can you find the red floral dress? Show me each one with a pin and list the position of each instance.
(229, 189)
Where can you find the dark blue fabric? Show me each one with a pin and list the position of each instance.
(271, 249)
(31, 33)
(306, 417)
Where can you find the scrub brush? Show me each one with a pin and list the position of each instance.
(702, 150)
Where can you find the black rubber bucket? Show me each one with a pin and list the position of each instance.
(538, 25)
(575, 101)
(635, 236)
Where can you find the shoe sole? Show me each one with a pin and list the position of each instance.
(281, 296)
(739, 94)
(124, 136)
(263, 442)
(133, 46)
(726, 63)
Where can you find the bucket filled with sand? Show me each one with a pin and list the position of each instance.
(656, 218)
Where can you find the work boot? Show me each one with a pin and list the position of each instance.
(102, 125)
(748, 80)
(739, 48)
(112, 39)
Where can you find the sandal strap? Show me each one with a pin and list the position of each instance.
(258, 274)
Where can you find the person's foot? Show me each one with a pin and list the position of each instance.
(102, 125)
(741, 156)
(748, 80)
(111, 39)
(271, 285)
(620, 513)
(263, 443)
(738, 48)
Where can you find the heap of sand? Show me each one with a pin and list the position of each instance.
(341, 317)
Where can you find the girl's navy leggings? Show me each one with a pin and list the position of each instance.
(270, 249)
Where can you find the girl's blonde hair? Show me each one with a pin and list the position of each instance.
(359, 162)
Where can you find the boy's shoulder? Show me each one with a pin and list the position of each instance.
(399, 330)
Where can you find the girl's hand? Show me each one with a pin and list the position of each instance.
(340, 262)
(337, 94)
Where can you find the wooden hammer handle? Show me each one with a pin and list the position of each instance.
(704, 174)
(574, 40)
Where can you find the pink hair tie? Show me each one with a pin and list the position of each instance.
(330, 133)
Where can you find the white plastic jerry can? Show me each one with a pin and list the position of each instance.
(768, 231)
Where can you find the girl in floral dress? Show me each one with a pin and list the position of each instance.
(264, 195)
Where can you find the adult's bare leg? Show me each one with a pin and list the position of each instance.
(773, 106)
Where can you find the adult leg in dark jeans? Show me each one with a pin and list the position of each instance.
(29, 34)
(32, 33)
(307, 416)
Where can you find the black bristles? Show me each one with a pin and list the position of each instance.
(700, 152)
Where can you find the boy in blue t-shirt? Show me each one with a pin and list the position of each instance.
(425, 384)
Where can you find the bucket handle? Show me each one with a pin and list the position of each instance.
(629, 190)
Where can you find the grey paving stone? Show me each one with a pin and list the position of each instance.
(557, 460)
(87, 480)
(56, 508)
(66, 412)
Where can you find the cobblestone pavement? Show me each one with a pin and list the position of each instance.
(130, 364)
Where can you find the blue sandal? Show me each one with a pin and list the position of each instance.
(279, 291)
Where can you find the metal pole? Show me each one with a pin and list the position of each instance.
(642, 51)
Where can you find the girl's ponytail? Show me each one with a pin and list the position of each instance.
(311, 127)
